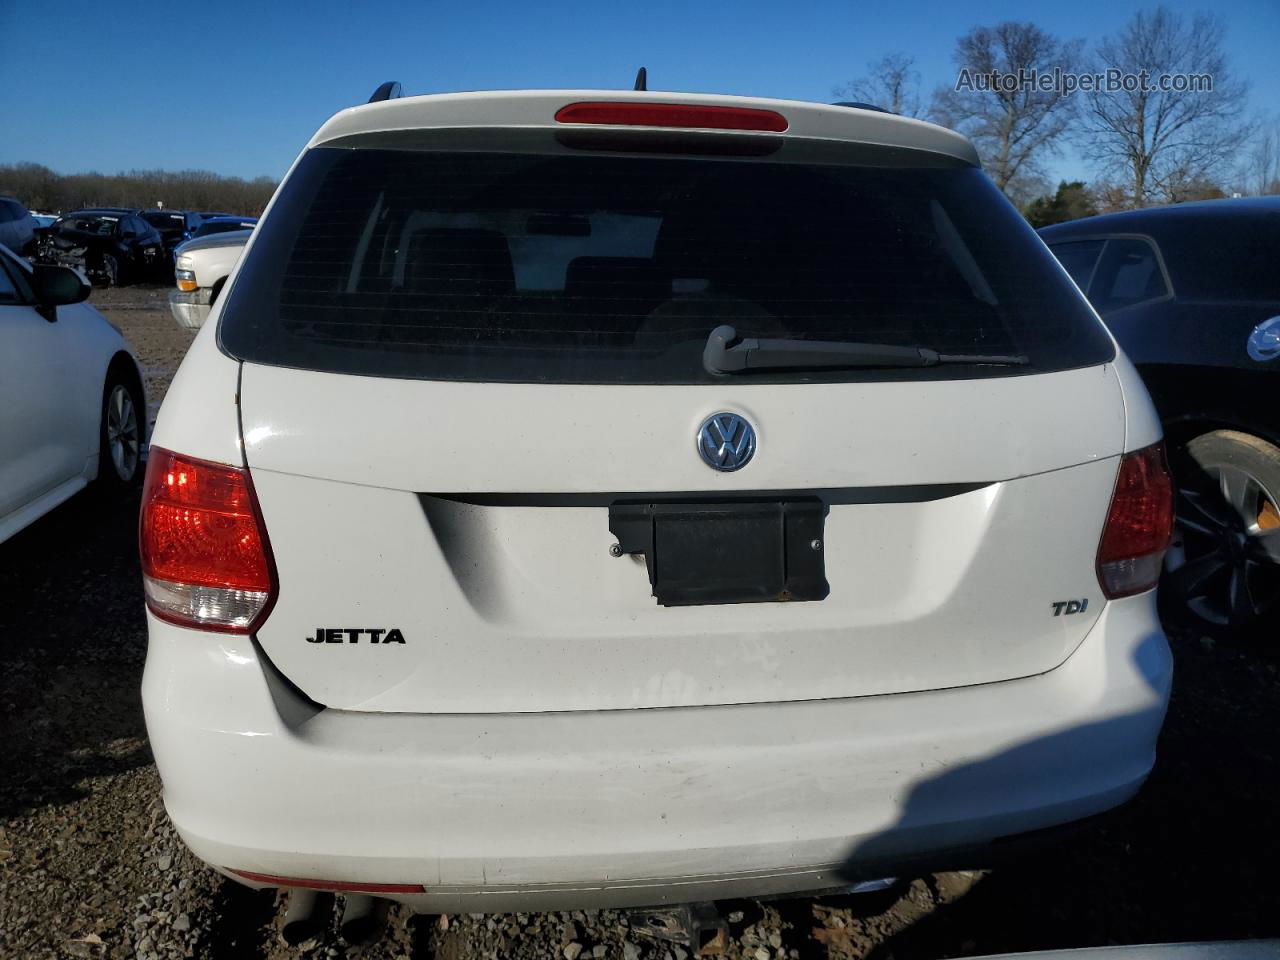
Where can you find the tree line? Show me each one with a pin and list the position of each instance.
(1144, 145)
(46, 191)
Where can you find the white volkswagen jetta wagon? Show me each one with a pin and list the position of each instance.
(597, 498)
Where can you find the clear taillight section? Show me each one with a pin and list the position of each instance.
(206, 561)
(1139, 524)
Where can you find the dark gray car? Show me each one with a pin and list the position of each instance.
(17, 226)
(1192, 294)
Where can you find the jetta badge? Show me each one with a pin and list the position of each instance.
(726, 441)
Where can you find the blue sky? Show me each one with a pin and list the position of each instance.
(238, 87)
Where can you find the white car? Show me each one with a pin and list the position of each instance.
(201, 268)
(598, 498)
(72, 404)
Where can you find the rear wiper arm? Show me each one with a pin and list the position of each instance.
(726, 353)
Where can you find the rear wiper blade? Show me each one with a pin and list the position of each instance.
(726, 353)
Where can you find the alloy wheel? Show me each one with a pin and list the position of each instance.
(123, 435)
(1225, 564)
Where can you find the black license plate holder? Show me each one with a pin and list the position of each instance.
(728, 551)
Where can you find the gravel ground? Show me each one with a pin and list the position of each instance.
(90, 867)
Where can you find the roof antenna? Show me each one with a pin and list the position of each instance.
(386, 91)
(642, 79)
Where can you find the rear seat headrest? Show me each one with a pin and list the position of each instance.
(616, 277)
(454, 261)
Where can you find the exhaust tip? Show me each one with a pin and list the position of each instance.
(307, 917)
(363, 918)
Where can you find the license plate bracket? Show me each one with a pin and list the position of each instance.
(737, 551)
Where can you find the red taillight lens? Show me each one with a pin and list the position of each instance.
(206, 561)
(339, 886)
(673, 115)
(1138, 526)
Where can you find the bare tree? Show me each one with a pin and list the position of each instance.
(1024, 189)
(1111, 197)
(1013, 123)
(1161, 140)
(1263, 166)
(891, 82)
(1184, 189)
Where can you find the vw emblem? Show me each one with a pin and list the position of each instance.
(1264, 341)
(726, 441)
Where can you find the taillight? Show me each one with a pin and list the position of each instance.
(1139, 524)
(673, 115)
(206, 561)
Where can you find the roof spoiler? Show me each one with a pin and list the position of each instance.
(387, 91)
(859, 105)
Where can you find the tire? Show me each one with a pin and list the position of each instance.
(121, 433)
(1222, 570)
(111, 270)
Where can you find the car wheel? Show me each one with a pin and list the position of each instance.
(1223, 567)
(111, 270)
(120, 453)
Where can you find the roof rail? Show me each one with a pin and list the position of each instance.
(387, 91)
(859, 105)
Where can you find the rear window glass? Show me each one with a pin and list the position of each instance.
(1129, 273)
(95, 225)
(165, 221)
(581, 268)
(1078, 258)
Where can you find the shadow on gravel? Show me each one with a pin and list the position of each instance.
(244, 927)
(74, 645)
(424, 944)
(1192, 858)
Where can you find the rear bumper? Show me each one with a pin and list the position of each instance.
(190, 310)
(542, 811)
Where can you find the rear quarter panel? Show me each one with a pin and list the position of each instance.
(1192, 356)
(200, 416)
